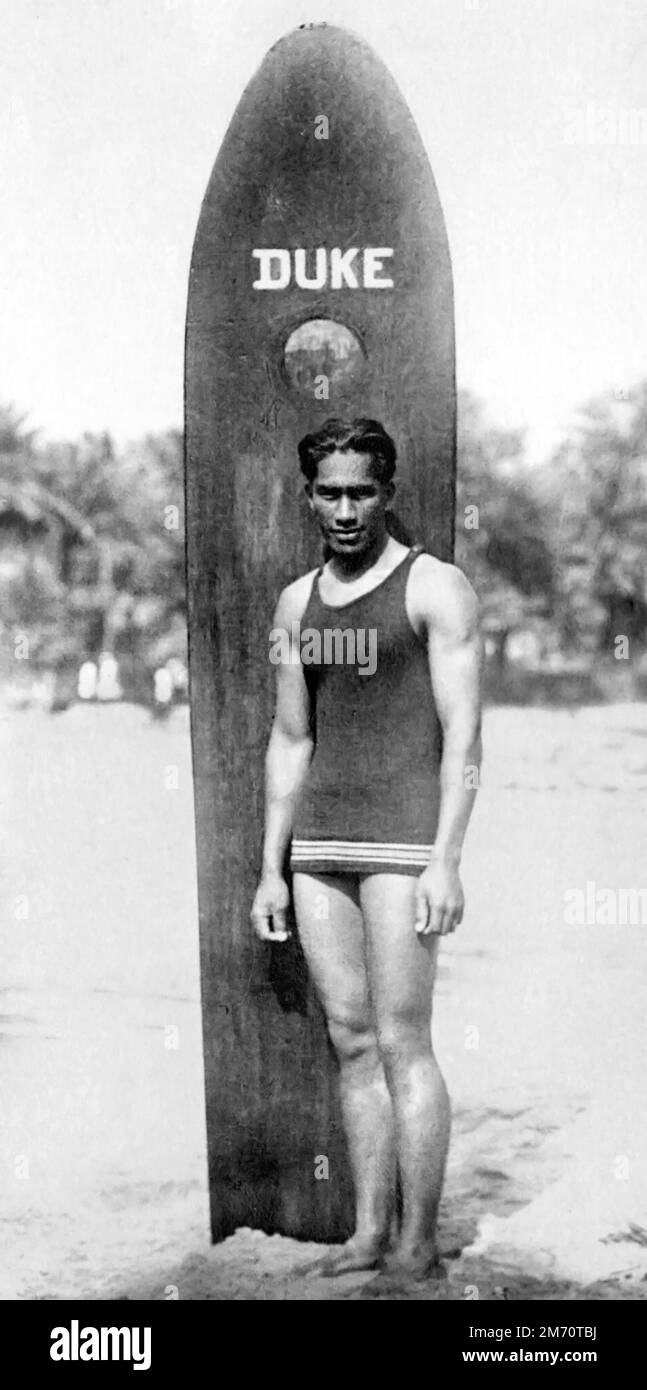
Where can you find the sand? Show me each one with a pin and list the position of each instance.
(540, 1023)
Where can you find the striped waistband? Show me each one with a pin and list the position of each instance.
(359, 853)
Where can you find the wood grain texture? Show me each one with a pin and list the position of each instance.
(270, 1078)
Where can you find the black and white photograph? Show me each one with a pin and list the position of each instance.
(323, 662)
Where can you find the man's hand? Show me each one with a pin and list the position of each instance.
(269, 908)
(440, 900)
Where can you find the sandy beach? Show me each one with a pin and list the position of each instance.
(540, 1024)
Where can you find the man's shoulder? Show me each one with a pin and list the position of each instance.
(441, 591)
(294, 597)
(428, 571)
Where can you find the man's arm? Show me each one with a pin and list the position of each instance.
(450, 611)
(288, 757)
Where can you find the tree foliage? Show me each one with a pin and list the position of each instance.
(595, 491)
(502, 532)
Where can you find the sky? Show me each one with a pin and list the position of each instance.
(534, 116)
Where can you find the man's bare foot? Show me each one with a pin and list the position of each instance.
(409, 1274)
(360, 1252)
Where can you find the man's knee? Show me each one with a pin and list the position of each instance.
(402, 1040)
(351, 1037)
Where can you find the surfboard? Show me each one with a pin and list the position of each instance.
(320, 285)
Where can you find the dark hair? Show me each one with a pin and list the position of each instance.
(362, 436)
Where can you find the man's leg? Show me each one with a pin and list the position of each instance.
(401, 969)
(331, 930)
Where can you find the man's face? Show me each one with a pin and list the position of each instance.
(349, 503)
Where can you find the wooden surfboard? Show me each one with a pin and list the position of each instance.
(321, 209)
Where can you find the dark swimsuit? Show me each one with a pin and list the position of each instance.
(371, 797)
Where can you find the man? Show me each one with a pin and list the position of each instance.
(370, 775)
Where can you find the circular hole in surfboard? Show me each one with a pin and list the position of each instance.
(322, 349)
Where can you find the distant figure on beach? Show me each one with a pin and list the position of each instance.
(162, 692)
(371, 775)
(108, 683)
(86, 688)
